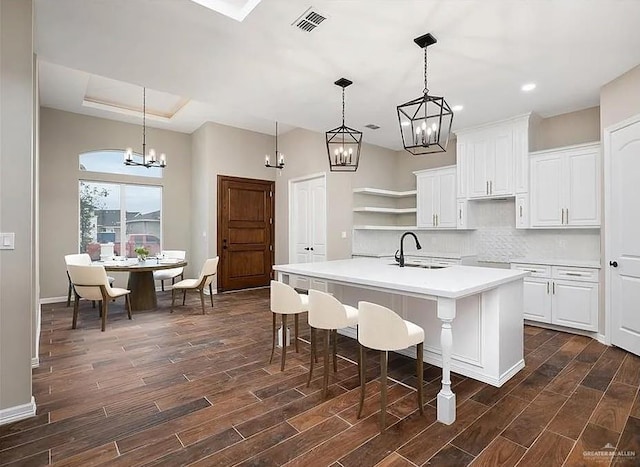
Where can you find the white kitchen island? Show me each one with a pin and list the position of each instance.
(472, 316)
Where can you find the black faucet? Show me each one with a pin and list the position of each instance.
(400, 259)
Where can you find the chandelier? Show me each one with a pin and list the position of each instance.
(425, 122)
(343, 143)
(148, 160)
(278, 156)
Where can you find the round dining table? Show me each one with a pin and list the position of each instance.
(141, 283)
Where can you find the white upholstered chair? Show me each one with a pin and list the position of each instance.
(286, 301)
(209, 269)
(166, 274)
(79, 259)
(92, 283)
(326, 312)
(380, 328)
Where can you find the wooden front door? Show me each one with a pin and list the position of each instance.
(245, 232)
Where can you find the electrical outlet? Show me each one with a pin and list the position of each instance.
(7, 241)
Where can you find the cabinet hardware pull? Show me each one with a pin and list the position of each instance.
(562, 216)
(577, 274)
(547, 287)
(554, 288)
(487, 187)
(306, 248)
(491, 187)
(460, 211)
(520, 211)
(613, 263)
(567, 216)
(433, 219)
(436, 220)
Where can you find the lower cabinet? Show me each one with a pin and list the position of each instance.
(550, 298)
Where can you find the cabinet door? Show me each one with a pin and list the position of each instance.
(461, 167)
(463, 221)
(575, 304)
(521, 157)
(477, 162)
(582, 188)
(500, 163)
(537, 300)
(426, 186)
(522, 211)
(446, 211)
(546, 191)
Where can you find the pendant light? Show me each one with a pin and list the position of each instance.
(278, 156)
(148, 160)
(343, 143)
(425, 122)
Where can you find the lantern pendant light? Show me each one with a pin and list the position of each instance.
(343, 143)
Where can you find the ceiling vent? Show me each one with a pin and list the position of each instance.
(372, 126)
(309, 20)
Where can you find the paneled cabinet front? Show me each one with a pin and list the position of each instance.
(436, 198)
(565, 187)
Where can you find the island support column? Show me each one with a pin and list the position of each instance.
(446, 397)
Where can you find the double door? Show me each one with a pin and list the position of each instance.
(490, 161)
(436, 198)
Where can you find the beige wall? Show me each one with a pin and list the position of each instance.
(63, 136)
(620, 98)
(306, 154)
(582, 126)
(17, 281)
(222, 150)
(408, 163)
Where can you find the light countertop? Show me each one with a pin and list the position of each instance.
(415, 254)
(449, 282)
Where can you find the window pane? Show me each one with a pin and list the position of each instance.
(99, 219)
(112, 162)
(144, 205)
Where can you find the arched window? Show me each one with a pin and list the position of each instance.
(111, 161)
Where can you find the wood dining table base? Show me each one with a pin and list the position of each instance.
(143, 290)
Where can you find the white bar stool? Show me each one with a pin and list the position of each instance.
(380, 328)
(326, 312)
(286, 301)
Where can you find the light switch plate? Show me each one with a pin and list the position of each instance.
(7, 241)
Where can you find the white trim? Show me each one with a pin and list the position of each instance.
(483, 126)
(291, 182)
(601, 338)
(35, 362)
(18, 412)
(557, 327)
(48, 300)
(307, 177)
(606, 193)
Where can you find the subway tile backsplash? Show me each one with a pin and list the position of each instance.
(495, 239)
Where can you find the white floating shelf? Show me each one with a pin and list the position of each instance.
(385, 210)
(385, 227)
(387, 193)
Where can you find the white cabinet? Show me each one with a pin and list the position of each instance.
(561, 295)
(565, 187)
(522, 211)
(492, 159)
(436, 198)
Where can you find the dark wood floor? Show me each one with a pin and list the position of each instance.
(182, 388)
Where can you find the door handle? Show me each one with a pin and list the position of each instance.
(613, 263)
(311, 248)
(460, 211)
(436, 220)
(547, 287)
(562, 213)
(306, 248)
(224, 243)
(554, 288)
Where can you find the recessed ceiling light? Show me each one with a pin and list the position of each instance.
(528, 87)
(457, 108)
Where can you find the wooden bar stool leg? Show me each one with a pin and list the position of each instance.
(173, 298)
(325, 379)
(127, 303)
(312, 339)
(335, 350)
(363, 369)
(295, 320)
(273, 337)
(69, 292)
(76, 299)
(162, 284)
(105, 310)
(284, 340)
(419, 371)
(383, 390)
(184, 296)
(211, 294)
(202, 299)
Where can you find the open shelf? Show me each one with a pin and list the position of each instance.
(385, 227)
(386, 193)
(385, 210)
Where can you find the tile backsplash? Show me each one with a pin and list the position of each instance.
(495, 239)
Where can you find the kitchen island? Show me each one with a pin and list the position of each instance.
(472, 316)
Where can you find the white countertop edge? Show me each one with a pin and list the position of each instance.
(415, 254)
(501, 276)
(559, 262)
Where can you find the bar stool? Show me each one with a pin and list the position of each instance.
(286, 301)
(326, 312)
(380, 328)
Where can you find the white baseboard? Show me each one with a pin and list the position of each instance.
(602, 339)
(44, 301)
(35, 362)
(19, 412)
(556, 327)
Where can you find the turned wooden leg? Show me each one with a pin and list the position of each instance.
(420, 372)
(295, 321)
(202, 299)
(76, 299)
(325, 378)
(128, 305)
(284, 341)
(105, 311)
(173, 298)
(273, 337)
(335, 350)
(363, 369)
(383, 390)
(312, 338)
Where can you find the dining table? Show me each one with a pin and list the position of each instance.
(141, 282)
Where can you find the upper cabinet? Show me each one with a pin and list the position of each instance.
(565, 187)
(436, 198)
(493, 159)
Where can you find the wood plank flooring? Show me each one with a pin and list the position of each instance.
(185, 389)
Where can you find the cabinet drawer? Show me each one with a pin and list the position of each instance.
(445, 261)
(574, 274)
(536, 270)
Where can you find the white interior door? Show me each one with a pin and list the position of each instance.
(622, 233)
(318, 219)
(300, 222)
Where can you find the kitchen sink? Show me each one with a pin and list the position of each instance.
(421, 266)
